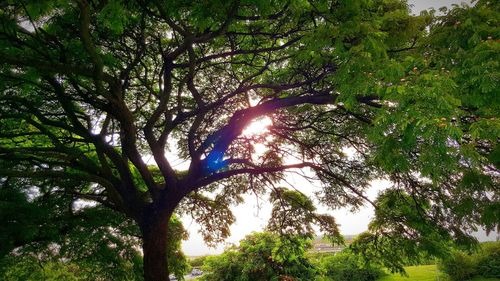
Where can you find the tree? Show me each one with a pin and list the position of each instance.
(262, 256)
(52, 233)
(345, 266)
(90, 90)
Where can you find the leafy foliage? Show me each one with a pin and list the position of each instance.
(50, 235)
(294, 213)
(262, 256)
(346, 266)
(463, 266)
(28, 268)
(91, 89)
(489, 260)
(402, 233)
(459, 266)
(197, 261)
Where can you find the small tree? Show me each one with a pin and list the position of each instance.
(262, 256)
(346, 266)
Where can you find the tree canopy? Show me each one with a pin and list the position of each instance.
(93, 94)
(55, 236)
(262, 256)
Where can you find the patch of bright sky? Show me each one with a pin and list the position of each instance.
(254, 213)
(419, 5)
(257, 133)
(259, 126)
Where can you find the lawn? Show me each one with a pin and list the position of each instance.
(425, 273)
(417, 273)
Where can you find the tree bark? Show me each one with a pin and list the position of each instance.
(155, 248)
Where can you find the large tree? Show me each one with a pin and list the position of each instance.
(97, 92)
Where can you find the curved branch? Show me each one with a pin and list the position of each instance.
(251, 171)
(222, 138)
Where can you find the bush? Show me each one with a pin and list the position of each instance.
(198, 261)
(224, 267)
(346, 266)
(488, 262)
(262, 256)
(28, 268)
(459, 266)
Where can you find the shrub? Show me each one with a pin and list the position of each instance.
(29, 268)
(488, 260)
(224, 267)
(486, 263)
(459, 266)
(262, 256)
(197, 261)
(346, 266)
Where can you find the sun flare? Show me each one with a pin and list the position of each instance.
(255, 130)
(257, 127)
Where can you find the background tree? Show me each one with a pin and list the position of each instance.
(262, 256)
(90, 90)
(346, 265)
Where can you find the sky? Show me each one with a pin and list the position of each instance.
(419, 5)
(254, 213)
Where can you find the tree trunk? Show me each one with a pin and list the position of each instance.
(155, 248)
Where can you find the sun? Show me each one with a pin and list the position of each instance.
(257, 127)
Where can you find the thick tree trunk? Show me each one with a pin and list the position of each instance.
(155, 248)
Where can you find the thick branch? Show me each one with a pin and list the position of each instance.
(157, 145)
(85, 177)
(52, 67)
(252, 171)
(241, 52)
(222, 138)
(89, 45)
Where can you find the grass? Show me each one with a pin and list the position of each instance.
(417, 273)
(425, 273)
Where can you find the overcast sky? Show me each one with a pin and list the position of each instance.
(419, 5)
(254, 213)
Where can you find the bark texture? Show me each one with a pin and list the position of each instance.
(155, 231)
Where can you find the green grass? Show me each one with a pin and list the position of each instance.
(417, 273)
(425, 273)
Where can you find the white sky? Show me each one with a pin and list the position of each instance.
(249, 217)
(419, 5)
(254, 213)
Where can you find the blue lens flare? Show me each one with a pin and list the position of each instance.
(214, 161)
